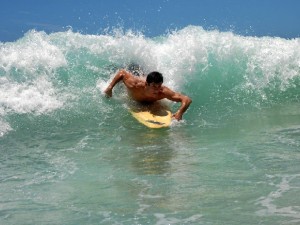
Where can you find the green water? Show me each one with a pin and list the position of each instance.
(71, 156)
(242, 171)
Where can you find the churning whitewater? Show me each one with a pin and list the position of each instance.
(43, 73)
(70, 156)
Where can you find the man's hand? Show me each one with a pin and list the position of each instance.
(177, 97)
(108, 92)
(118, 77)
(177, 116)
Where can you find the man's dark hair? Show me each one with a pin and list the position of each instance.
(154, 77)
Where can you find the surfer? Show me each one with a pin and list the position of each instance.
(149, 90)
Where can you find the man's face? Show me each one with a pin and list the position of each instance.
(154, 88)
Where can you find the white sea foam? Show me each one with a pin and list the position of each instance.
(268, 202)
(31, 53)
(26, 67)
(60, 168)
(176, 54)
(30, 67)
(37, 97)
(163, 219)
(4, 128)
(101, 84)
(181, 53)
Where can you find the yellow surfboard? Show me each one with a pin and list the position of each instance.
(153, 116)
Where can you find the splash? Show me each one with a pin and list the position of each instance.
(43, 73)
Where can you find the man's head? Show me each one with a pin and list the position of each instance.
(154, 82)
(154, 77)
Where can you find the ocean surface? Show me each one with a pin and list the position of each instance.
(70, 156)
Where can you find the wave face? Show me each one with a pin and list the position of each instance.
(61, 75)
(69, 155)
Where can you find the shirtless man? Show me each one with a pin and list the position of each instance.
(149, 90)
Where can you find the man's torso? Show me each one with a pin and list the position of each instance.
(137, 90)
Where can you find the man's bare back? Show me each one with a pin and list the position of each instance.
(142, 90)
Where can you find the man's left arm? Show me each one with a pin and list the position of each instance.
(177, 97)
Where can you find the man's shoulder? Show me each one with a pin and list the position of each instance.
(166, 90)
(124, 72)
(126, 75)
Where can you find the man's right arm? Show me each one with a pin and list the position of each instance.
(118, 77)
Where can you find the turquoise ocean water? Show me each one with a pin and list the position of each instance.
(71, 156)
